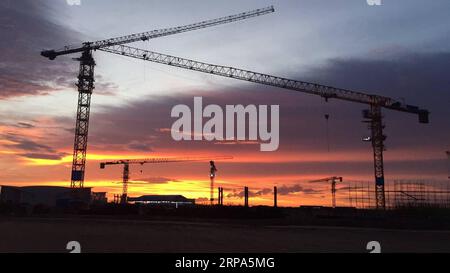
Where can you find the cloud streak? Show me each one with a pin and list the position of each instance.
(282, 190)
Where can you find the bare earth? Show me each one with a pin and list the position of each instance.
(105, 235)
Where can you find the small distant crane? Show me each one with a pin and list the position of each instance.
(212, 176)
(333, 180)
(126, 167)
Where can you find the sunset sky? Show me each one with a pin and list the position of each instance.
(400, 49)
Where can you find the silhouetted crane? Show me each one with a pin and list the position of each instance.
(212, 176)
(333, 180)
(86, 77)
(127, 162)
(85, 86)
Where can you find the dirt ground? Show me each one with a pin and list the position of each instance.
(108, 235)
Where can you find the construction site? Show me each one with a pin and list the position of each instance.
(229, 219)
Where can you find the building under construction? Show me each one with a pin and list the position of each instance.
(401, 194)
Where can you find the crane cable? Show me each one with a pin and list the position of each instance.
(327, 118)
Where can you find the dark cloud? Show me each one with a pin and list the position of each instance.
(20, 125)
(27, 27)
(31, 148)
(282, 190)
(25, 125)
(157, 180)
(415, 78)
(264, 191)
(297, 188)
(26, 144)
(140, 146)
(53, 156)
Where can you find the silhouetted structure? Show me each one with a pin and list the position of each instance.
(126, 167)
(50, 196)
(162, 200)
(333, 180)
(275, 192)
(373, 115)
(220, 199)
(212, 176)
(99, 198)
(246, 197)
(402, 194)
(86, 77)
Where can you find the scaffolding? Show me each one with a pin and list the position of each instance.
(399, 194)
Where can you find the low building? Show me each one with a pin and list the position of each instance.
(50, 196)
(162, 200)
(99, 198)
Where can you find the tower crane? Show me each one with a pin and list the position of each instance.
(86, 77)
(373, 114)
(333, 180)
(212, 176)
(127, 162)
(116, 46)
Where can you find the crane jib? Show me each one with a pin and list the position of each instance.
(144, 36)
(327, 92)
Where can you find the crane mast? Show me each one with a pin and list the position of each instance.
(375, 102)
(85, 87)
(86, 78)
(333, 180)
(212, 177)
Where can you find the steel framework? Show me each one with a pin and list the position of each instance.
(126, 167)
(375, 120)
(212, 177)
(116, 46)
(85, 87)
(333, 180)
(375, 102)
(86, 77)
(144, 36)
